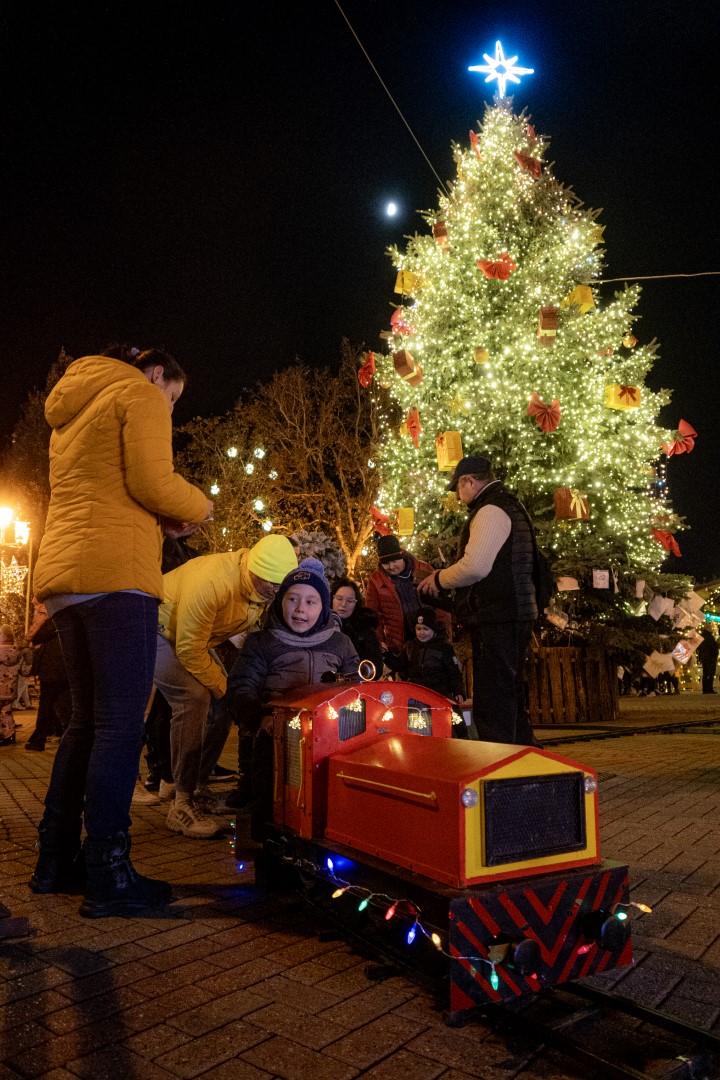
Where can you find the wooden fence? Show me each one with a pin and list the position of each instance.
(568, 685)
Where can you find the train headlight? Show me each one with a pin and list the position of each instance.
(591, 785)
(469, 797)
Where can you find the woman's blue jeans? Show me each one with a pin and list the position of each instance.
(108, 646)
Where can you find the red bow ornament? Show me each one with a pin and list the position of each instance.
(629, 394)
(381, 522)
(474, 143)
(499, 270)
(414, 427)
(667, 540)
(684, 441)
(399, 323)
(367, 370)
(547, 417)
(530, 164)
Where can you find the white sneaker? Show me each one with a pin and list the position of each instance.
(190, 821)
(142, 795)
(166, 792)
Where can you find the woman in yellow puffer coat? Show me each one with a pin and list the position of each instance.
(98, 573)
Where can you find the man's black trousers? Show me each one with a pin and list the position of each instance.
(500, 709)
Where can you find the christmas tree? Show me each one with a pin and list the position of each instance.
(503, 343)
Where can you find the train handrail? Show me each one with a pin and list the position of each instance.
(390, 787)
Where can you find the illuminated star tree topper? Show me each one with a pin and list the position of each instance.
(502, 68)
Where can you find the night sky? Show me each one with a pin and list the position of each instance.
(212, 177)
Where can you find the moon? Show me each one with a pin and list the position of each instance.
(391, 209)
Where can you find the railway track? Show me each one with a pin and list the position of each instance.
(609, 1035)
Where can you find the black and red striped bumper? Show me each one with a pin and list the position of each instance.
(514, 939)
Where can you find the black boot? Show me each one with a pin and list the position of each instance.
(60, 867)
(114, 886)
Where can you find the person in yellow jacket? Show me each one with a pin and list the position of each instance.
(206, 601)
(112, 482)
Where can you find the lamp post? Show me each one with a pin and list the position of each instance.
(22, 537)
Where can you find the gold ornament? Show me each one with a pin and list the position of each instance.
(407, 283)
(580, 297)
(449, 450)
(405, 521)
(481, 356)
(630, 341)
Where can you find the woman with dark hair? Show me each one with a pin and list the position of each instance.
(358, 622)
(112, 484)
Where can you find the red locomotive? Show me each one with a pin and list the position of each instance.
(481, 859)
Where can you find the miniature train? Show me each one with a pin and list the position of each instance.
(479, 862)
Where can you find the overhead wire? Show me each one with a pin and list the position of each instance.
(598, 281)
(392, 99)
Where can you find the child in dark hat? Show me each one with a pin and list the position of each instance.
(301, 642)
(392, 593)
(429, 660)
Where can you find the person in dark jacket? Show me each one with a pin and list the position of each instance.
(494, 597)
(300, 643)
(358, 622)
(392, 593)
(430, 661)
(707, 653)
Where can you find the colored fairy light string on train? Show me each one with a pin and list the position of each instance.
(395, 906)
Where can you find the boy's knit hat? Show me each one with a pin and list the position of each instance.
(309, 572)
(272, 558)
(427, 616)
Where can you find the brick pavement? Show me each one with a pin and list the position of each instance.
(234, 984)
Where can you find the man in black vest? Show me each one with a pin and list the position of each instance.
(494, 597)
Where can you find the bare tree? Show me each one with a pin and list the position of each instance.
(295, 454)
